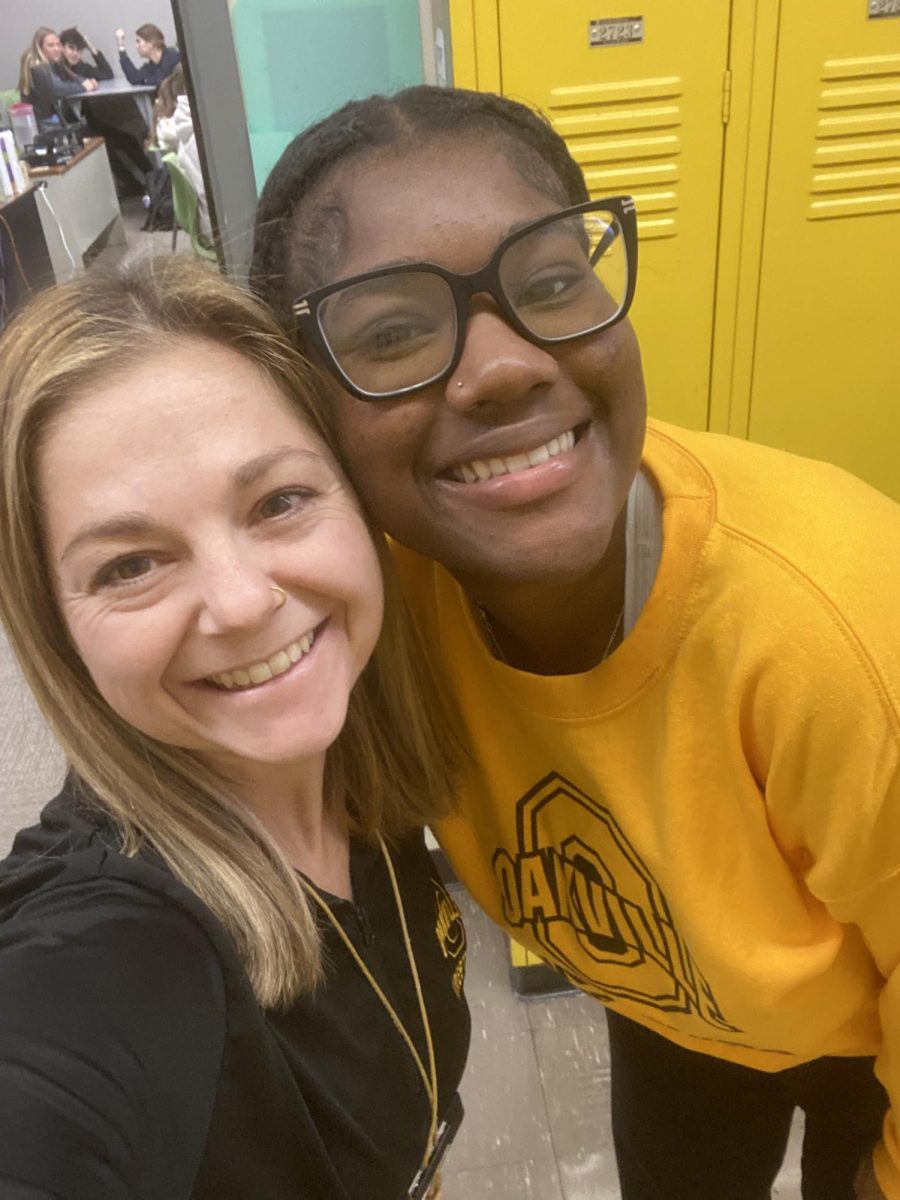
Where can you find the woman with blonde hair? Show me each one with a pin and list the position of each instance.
(228, 966)
(45, 78)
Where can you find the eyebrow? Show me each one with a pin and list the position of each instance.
(252, 471)
(409, 261)
(120, 526)
(137, 524)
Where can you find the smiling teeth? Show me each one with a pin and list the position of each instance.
(482, 469)
(262, 672)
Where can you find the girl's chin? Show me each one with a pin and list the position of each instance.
(270, 754)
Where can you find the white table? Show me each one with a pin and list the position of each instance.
(85, 207)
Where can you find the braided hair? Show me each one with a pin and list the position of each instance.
(300, 221)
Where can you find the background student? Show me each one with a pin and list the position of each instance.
(74, 45)
(174, 133)
(160, 59)
(45, 78)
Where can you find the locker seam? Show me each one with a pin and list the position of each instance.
(765, 215)
(501, 89)
(721, 205)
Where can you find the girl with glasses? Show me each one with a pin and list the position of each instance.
(676, 653)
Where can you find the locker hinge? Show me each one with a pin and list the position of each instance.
(726, 96)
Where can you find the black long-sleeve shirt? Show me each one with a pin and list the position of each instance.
(98, 69)
(150, 73)
(136, 1064)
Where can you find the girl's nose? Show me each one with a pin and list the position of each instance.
(498, 366)
(237, 594)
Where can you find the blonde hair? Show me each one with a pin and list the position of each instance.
(34, 57)
(394, 761)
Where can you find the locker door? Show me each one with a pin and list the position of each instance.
(826, 378)
(645, 118)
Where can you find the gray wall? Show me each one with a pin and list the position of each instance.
(98, 20)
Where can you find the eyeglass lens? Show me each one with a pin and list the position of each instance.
(391, 332)
(399, 331)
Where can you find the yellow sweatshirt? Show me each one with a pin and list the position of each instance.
(704, 831)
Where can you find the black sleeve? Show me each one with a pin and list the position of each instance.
(112, 1011)
(102, 69)
(132, 74)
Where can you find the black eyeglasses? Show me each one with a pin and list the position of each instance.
(397, 329)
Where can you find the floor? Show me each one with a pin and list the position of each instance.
(137, 241)
(536, 1090)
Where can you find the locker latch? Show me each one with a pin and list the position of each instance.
(726, 96)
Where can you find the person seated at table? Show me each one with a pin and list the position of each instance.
(229, 968)
(45, 79)
(74, 44)
(173, 133)
(113, 118)
(151, 45)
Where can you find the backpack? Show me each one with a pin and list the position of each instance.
(158, 201)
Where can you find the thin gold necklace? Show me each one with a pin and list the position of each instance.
(429, 1077)
(497, 651)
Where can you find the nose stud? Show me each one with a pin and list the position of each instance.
(459, 383)
(280, 594)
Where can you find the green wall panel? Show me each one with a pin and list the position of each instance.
(300, 59)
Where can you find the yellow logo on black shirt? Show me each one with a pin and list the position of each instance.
(451, 935)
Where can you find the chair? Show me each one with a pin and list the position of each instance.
(7, 100)
(187, 210)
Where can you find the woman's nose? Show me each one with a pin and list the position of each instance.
(237, 593)
(497, 366)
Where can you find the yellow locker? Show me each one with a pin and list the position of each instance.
(826, 348)
(642, 117)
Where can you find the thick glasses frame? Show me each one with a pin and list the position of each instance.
(464, 287)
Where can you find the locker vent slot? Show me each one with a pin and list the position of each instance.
(625, 137)
(856, 164)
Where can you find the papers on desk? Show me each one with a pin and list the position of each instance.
(12, 177)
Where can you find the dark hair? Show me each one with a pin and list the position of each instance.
(291, 256)
(152, 33)
(73, 37)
